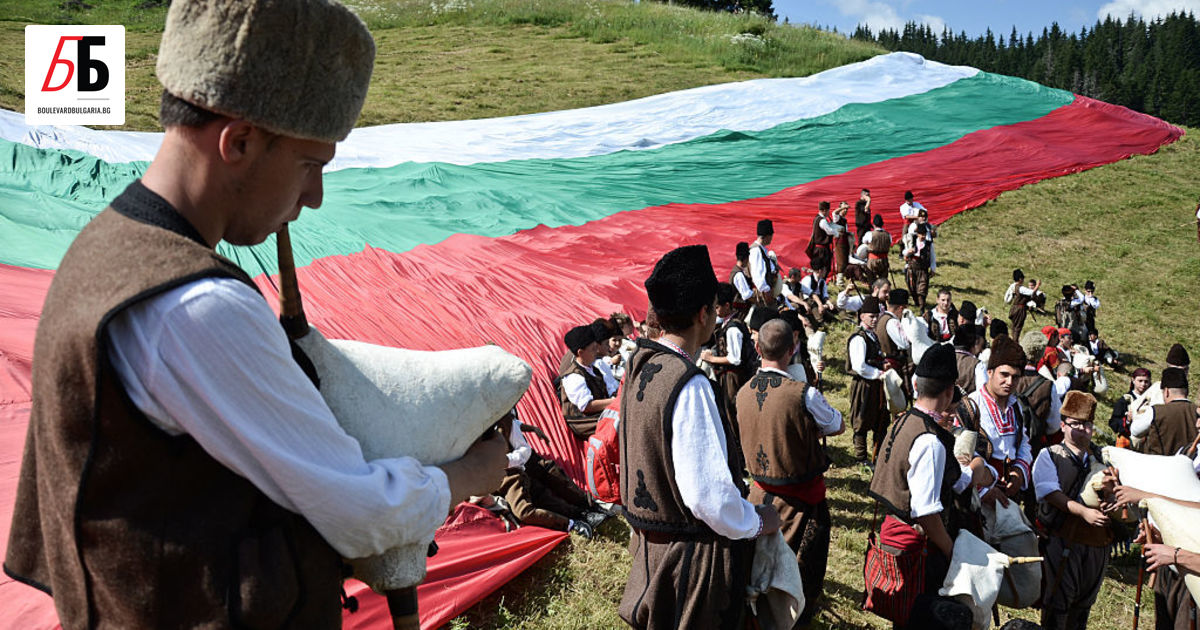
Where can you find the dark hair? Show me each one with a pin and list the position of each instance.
(823, 206)
(1018, 275)
(931, 387)
(176, 112)
(908, 195)
(725, 293)
(866, 191)
(944, 291)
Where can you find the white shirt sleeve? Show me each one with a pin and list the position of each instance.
(210, 360)
(701, 471)
(858, 360)
(806, 288)
(758, 269)
(926, 466)
(742, 285)
(829, 420)
(847, 302)
(1045, 476)
(521, 451)
(577, 391)
(733, 344)
(830, 227)
(896, 333)
(1062, 385)
(1054, 418)
(1024, 290)
(981, 376)
(610, 379)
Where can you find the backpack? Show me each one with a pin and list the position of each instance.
(602, 456)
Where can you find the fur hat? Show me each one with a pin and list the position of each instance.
(939, 363)
(299, 68)
(765, 227)
(793, 319)
(725, 293)
(579, 338)
(999, 327)
(1079, 406)
(1018, 275)
(877, 221)
(870, 304)
(968, 311)
(898, 297)
(742, 251)
(1005, 351)
(603, 330)
(1033, 343)
(964, 337)
(682, 281)
(1178, 356)
(1174, 378)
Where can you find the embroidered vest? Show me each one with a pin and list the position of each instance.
(781, 443)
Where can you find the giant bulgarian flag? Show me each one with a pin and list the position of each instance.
(512, 230)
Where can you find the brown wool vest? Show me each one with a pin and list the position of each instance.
(889, 484)
(781, 443)
(819, 237)
(652, 501)
(721, 348)
(1064, 525)
(1039, 399)
(966, 370)
(1174, 427)
(886, 346)
(595, 385)
(123, 524)
(881, 242)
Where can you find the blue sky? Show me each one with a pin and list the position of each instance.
(972, 16)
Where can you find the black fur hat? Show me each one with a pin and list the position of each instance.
(682, 281)
(765, 228)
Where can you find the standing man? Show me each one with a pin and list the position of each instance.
(1020, 299)
(879, 243)
(820, 242)
(732, 357)
(681, 467)
(1077, 551)
(781, 423)
(862, 216)
(739, 277)
(943, 319)
(177, 452)
(1000, 418)
(911, 211)
(918, 251)
(864, 362)
(917, 477)
(1170, 427)
(764, 270)
(841, 242)
(1039, 394)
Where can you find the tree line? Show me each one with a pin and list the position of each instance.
(1148, 66)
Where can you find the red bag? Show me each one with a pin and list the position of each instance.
(893, 580)
(603, 458)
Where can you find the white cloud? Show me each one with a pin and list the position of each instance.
(1147, 9)
(879, 15)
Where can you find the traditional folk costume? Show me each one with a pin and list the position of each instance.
(681, 475)
(893, 343)
(917, 256)
(781, 422)
(879, 243)
(1020, 299)
(739, 277)
(1172, 426)
(942, 326)
(917, 475)
(820, 242)
(868, 408)
(841, 246)
(139, 506)
(734, 343)
(764, 270)
(1003, 426)
(579, 385)
(1076, 553)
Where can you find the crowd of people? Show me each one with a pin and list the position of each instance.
(722, 435)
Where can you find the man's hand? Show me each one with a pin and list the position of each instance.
(995, 495)
(1158, 555)
(1094, 517)
(770, 518)
(706, 355)
(1126, 494)
(479, 471)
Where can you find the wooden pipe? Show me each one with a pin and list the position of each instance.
(402, 603)
(1137, 602)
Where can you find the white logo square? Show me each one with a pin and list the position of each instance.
(74, 75)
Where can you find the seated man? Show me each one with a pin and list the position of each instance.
(1101, 351)
(815, 293)
(850, 300)
(582, 391)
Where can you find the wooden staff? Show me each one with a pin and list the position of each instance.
(402, 603)
(1137, 603)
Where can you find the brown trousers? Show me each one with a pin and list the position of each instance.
(1016, 316)
(686, 582)
(868, 414)
(1173, 604)
(542, 495)
(918, 285)
(806, 529)
(1071, 584)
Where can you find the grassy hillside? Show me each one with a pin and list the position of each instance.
(1128, 226)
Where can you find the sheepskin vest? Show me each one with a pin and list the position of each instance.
(781, 442)
(125, 525)
(889, 484)
(652, 500)
(1174, 427)
(595, 385)
(967, 363)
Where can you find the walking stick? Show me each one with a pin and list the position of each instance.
(1137, 602)
(402, 603)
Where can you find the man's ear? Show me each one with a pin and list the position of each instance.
(236, 139)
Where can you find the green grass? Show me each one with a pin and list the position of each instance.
(462, 59)
(1128, 226)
